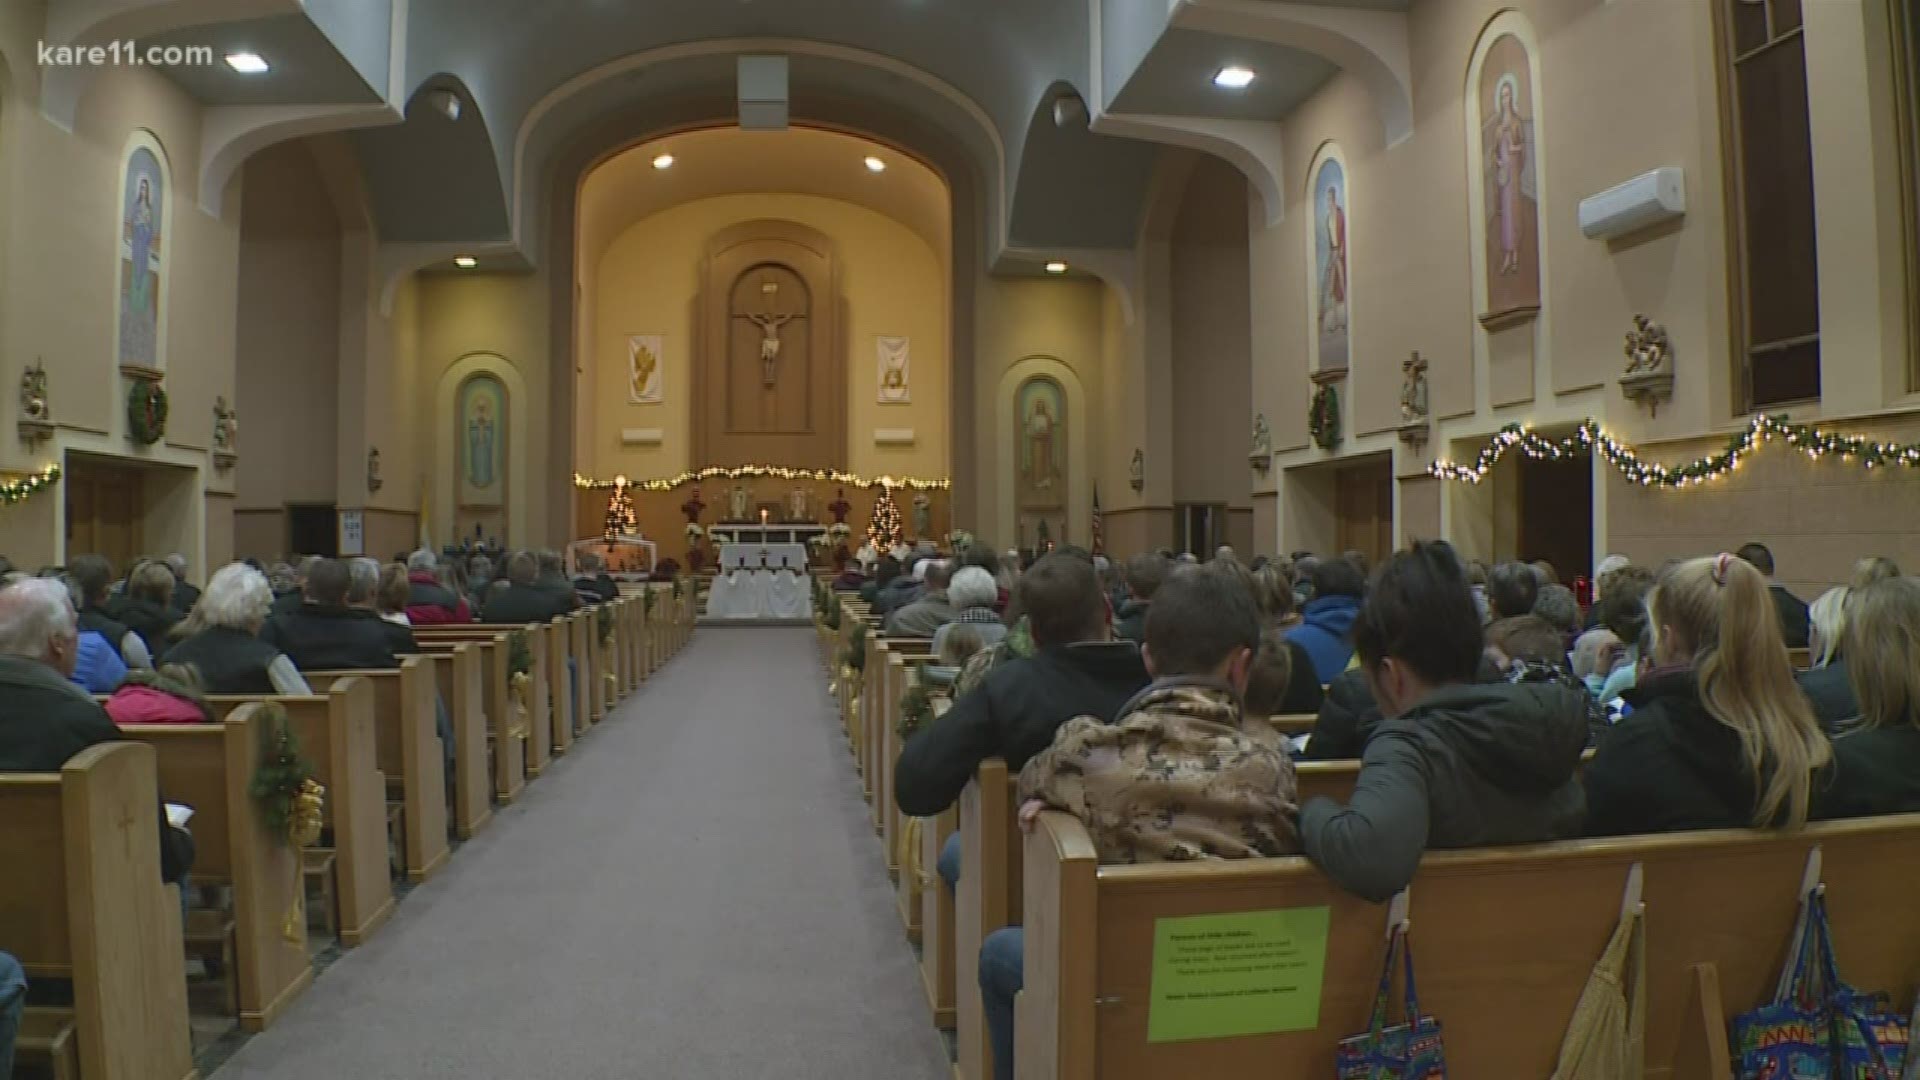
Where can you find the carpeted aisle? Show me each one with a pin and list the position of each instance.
(693, 892)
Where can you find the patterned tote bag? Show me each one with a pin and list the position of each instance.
(1410, 1050)
(1817, 1027)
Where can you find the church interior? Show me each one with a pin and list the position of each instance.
(747, 309)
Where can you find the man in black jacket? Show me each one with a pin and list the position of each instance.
(45, 719)
(552, 580)
(1795, 626)
(1078, 670)
(94, 575)
(184, 594)
(1145, 572)
(594, 580)
(326, 634)
(520, 600)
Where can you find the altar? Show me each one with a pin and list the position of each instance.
(768, 556)
(761, 534)
(754, 593)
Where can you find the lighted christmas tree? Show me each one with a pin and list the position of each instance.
(621, 518)
(884, 531)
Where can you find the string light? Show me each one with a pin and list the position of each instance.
(777, 471)
(13, 491)
(1590, 437)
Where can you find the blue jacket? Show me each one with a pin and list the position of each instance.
(97, 668)
(1323, 632)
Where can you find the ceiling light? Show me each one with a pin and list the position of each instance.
(1056, 268)
(664, 161)
(465, 262)
(874, 164)
(247, 63)
(1233, 78)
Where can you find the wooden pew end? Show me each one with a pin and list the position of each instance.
(46, 1042)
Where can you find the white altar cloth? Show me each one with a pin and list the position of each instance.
(759, 594)
(791, 556)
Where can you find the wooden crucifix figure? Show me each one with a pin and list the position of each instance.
(769, 325)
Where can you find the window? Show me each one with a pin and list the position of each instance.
(1770, 176)
(1906, 71)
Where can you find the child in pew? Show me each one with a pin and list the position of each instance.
(1184, 773)
(1528, 649)
(1453, 762)
(1719, 736)
(170, 695)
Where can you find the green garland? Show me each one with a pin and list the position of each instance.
(519, 654)
(833, 614)
(676, 587)
(855, 654)
(647, 603)
(1323, 417)
(281, 773)
(603, 622)
(916, 711)
(146, 411)
(13, 491)
(1815, 442)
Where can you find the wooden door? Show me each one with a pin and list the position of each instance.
(103, 511)
(1555, 512)
(1363, 501)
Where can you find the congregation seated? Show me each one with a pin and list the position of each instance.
(1556, 605)
(336, 627)
(97, 667)
(1453, 762)
(289, 601)
(594, 584)
(44, 718)
(480, 582)
(170, 695)
(1077, 670)
(147, 606)
(94, 576)
(1826, 683)
(1529, 649)
(1513, 588)
(885, 569)
(429, 602)
(972, 594)
(1181, 773)
(1273, 593)
(906, 587)
(1871, 569)
(184, 594)
(1719, 736)
(1877, 761)
(930, 611)
(552, 580)
(1327, 619)
(390, 594)
(1622, 609)
(1144, 574)
(222, 639)
(1792, 611)
(519, 600)
(850, 578)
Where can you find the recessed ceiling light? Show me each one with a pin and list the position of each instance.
(247, 63)
(664, 161)
(1233, 78)
(1056, 268)
(465, 262)
(874, 164)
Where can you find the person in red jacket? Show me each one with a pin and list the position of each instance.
(430, 603)
(170, 695)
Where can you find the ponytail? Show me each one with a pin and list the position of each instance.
(1722, 608)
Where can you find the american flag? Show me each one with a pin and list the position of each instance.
(1099, 527)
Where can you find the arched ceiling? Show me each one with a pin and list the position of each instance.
(548, 86)
(627, 188)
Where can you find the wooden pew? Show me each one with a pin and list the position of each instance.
(506, 735)
(1291, 724)
(337, 733)
(82, 900)
(210, 768)
(408, 750)
(539, 711)
(936, 906)
(458, 678)
(587, 684)
(1504, 939)
(903, 664)
(559, 635)
(989, 897)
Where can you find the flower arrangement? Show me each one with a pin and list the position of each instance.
(839, 530)
(694, 532)
(959, 540)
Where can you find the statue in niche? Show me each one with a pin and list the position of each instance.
(1649, 350)
(33, 394)
(1262, 437)
(738, 502)
(799, 503)
(1413, 389)
(922, 515)
(226, 427)
(1137, 469)
(840, 507)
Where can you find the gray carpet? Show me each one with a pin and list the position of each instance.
(693, 892)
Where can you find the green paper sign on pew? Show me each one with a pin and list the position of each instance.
(1243, 973)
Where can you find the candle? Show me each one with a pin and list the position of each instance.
(763, 516)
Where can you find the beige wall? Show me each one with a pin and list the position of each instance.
(288, 332)
(1211, 369)
(891, 282)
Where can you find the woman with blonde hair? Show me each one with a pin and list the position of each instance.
(1825, 683)
(1871, 569)
(1877, 763)
(1720, 736)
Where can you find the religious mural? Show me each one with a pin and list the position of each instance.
(645, 359)
(892, 360)
(1330, 262)
(1509, 178)
(1041, 407)
(481, 406)
(141, 218)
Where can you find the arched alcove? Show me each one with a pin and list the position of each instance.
(452, 515)
(1010, 433)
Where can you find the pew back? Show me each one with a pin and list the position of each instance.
(457, 679)
(409, 750)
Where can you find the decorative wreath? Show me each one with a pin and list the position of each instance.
(916, 711)
(519, 654)
(603, 622)
(147, 411)
(854, 656)
(1323, 418)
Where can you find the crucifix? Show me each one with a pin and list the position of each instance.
(769, 324)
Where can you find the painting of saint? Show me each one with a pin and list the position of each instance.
(1330, 262)
(644, 361)
(482, 404)
(1041, 408)
(1510, 178)
(893, 370)
(141, 218)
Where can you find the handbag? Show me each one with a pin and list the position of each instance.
(1606, 1039)
(1817, 1027)
(1410, 1050)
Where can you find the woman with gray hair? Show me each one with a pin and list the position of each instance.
(221, 640)
(972, 594)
